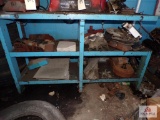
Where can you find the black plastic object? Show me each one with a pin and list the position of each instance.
(120, 95)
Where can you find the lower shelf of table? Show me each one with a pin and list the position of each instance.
(34, 82)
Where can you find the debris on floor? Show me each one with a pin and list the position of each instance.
(109, 109)
(51, 93)
(103, 97)
(147, 88)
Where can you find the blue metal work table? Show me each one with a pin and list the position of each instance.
(11, 56)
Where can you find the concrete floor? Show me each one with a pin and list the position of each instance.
(74, 105)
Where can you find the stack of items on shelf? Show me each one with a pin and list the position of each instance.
(95, 39)
(125, 39)
(114, 67)
(36, 42)
(97, 6)
(43, 43)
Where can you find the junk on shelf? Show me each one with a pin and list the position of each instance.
(78, 5)
(95, 39)
(66, 46)
(121, 67)
(91, 70)
(35, 43)
(57, 68)
(17, 5)
(118, 6)
(125, 39)
(36, 63)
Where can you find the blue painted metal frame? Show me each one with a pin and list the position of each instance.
(77, 16)
(11, 56)
(21, 36)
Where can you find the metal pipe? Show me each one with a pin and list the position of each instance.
(138, 6)
(137, 9)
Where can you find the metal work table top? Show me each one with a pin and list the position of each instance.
(74, 16)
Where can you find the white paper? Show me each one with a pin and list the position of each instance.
(30, 4)
(134, 32)
(81, 5)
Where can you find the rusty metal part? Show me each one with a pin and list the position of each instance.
(128, 11)
(27, 45)
(16, 6)
(119, 46)
(122, 70)
(93, 31)
(120, 60)
(20, 46)
(41, 37)
(120, 35)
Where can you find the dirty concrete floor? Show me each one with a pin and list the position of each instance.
(78, 106)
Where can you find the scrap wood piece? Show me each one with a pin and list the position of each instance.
(91, 70)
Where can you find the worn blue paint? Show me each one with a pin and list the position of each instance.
(38, 64)
(53, 24)
(41, 54)
(21, 36)
(142, 67)
(33, 82)
(111, 80)
(6, 43)
(81, 56)
(117, 53)
(77, 16)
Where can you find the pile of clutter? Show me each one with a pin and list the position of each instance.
(125, 39)
(119, 6)
(35, 43)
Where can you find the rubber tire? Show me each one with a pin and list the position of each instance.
(41, 109)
